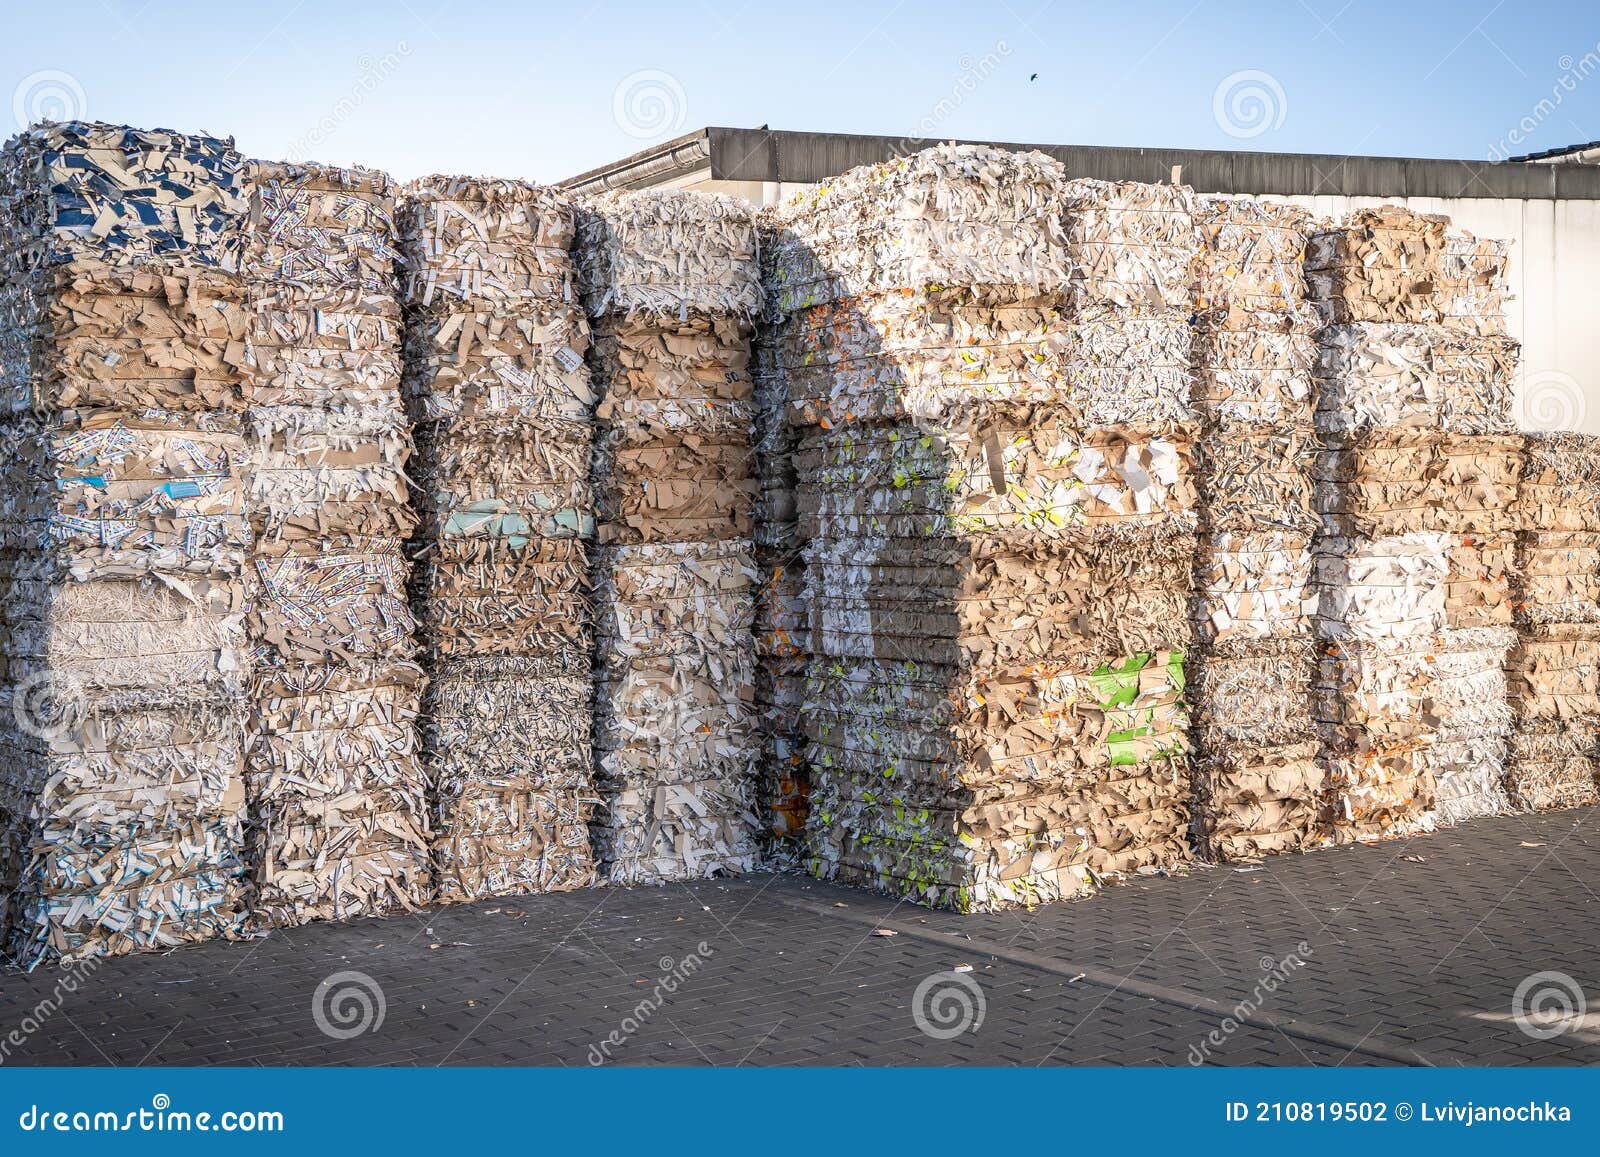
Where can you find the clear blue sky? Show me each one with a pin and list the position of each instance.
(543, 91)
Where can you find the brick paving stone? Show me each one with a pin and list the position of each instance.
(1416, 948)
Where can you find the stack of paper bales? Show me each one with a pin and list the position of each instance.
(497, 384)
(337, 797)
(1415, 486)
(672, 285)
(1554, 671)
(1258, 785)
(123, 373)
(989, 371)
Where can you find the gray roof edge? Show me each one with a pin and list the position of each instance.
(806, 158)
(679, 155)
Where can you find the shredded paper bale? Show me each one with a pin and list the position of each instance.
(672, 283)
(1377, 265)
(124, 365)
(496, 379)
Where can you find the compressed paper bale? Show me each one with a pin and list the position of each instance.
(1554, 766)
(331, 602)
(1258, 803)
(1478, 590)
(878, 724)
(663, 254)
(127, 634)
(1256, 478)
(1478, 380)
(674, 598)
(1377, 374)
(494, 484)
(316, 226)
(320, 474)
(1249, 695)
(782, 614)
(1469, 688)
(1558, 577)
(1132, 245)
(330, 349)
(507, 745)
(658, 833)
(122, 495)
(1381, 792)
(969, 216)
(1384, 589)
(1370, 696)
(1253, 586)
(1380, 265)
(478, 239)
(1469, 780)
(338, 808)
(1388, 482)
(498, 600)
(148, 337)
(1031, 476)
(1554, 672)
(83, 189)
(1560, 487)
(1249, 261)
(482, 358)
(935, 356)
(954, 601)
(1473, 286)
(121, 829)
(1257, 370)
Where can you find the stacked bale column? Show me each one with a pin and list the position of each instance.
(497, 384)
(672, 285)
(1414, 485)
(997, 506)
(1554, 672)
(1471, 477)
(1258, 786)
(123, 372)
(337, 797)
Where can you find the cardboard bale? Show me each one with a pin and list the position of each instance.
(1383, 264)
(1249, 267)
(481, 239)
(1474, 287)
(1386, 482)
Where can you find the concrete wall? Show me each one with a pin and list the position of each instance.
(1555, 277)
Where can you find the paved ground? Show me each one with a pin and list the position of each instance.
(1413, 954)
